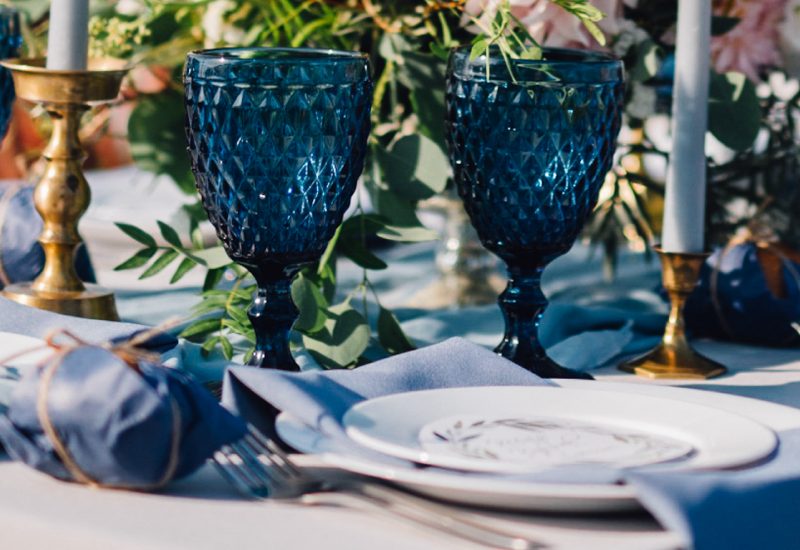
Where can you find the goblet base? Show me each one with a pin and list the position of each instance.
(92, 303)
(541, 365)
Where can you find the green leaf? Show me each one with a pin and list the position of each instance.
(213, 277)
(354, 249)
(183, 268)
(213, 258)
(647, 61)
(407, 234)
(721, 24)
(343, 339)
(137, 260)
(734, 112)
(137, 234)
(201, 328)
(160, 264)
(170, 235)
(227, 348)
(429, 106)
(311, 304)
(391, 335)
(479, 47)
(157, 140)
(415, 168)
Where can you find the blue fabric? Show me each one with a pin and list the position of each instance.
(118, 426)
(751, 312)
(29, 321)
(21, 254)
(756, 508)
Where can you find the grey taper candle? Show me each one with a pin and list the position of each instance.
(68, 39)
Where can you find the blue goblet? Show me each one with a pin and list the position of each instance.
(10, 41)
(530, 142)
(277, 139)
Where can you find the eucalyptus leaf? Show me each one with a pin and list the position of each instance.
(137, 260)
(213, 258)
(157, 142)
(415, 168)
(170, 235)
(391, 335)
(343, 339)
(137, 234)
(310, 303)
(160, 264)
(734, 112)
(200, 328)
(183, 268)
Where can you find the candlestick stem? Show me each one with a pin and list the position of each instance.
(674, 357)
(62, 194)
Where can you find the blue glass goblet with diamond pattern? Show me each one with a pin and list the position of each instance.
(10, 41)
(277, 139)
(530, 142)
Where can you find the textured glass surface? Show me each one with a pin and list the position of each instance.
(10, 41)
(277, 139)
(530, 149)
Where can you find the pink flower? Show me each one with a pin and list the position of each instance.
(753, 43)
(549, 24)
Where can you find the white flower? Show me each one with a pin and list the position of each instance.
(215, 26)
(131, 7)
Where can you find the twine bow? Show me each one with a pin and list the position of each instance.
(130, 352)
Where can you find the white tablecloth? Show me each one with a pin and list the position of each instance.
(203, 512)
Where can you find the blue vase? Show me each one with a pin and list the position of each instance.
(530, 144)
(10, 41)
(277, 139)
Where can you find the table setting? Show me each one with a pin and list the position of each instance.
(236, 338)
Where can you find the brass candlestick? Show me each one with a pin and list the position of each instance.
(674, 358)
(62, 194)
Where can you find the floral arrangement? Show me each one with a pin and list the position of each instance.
(408, 42)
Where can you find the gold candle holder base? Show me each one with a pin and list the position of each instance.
(62, 194)
(675, 358)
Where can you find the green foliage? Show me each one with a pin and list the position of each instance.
(734, 115)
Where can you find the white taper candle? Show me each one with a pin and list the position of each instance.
(68, 38)
(685, 201)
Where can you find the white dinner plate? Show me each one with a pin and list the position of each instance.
(528, 429)
(515, 492)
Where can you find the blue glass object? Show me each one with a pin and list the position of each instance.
(530, 147)
(277, 139)
(10, 41)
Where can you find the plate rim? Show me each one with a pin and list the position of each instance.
(399, 449)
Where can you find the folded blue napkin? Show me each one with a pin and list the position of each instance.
(576, 336)
(21, 255)
(20, 319)
(756, 508)
(743, 308)
(110, 418)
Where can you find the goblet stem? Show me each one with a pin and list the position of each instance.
(523, 304)
(272, 315)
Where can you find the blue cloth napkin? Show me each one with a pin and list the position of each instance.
(37, 323)
(757, 508)
(108, 424)
(21, 255)
(750, 311)
(576, 336)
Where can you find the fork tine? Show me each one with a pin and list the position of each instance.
(253, 465)
(257, 486)
(236, 476)
(274, 453)
(268, 459)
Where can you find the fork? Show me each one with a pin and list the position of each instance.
(257, 467)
